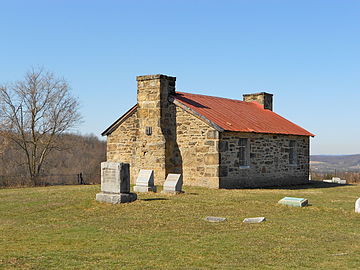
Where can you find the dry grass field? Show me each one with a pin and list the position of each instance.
(63, 227)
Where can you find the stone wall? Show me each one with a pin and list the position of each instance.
(264, 99)
(157, 113)
(198, 146)
(122, 142)
(268, 160)
(191, 148)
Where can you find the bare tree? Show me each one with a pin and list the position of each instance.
(33, 112)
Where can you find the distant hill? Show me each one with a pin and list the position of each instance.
(79, 154)
(329, 163)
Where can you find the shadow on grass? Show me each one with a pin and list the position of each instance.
(155, 199)
(311, 184)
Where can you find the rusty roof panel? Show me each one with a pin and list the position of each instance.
(236, 115)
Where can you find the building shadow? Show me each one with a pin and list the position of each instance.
(173, 157)
(154, 199)
(310, 185)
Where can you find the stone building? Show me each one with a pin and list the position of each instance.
(214, 142)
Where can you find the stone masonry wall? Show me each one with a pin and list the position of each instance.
(268, 160)
(192, 149)
(154, 112)
(121, 143)
(198, 146)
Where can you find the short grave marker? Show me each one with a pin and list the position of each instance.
(357, 206)
(254, 220)
(145, 181)
(336, 180)
(215, 219)
(115, 183)
(291, 201)
(173, 183)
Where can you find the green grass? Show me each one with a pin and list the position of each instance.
(65, 228)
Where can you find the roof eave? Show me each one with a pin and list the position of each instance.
(119, 121)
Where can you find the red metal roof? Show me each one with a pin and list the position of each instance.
(236, 115)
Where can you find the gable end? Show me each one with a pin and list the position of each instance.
(119, 121)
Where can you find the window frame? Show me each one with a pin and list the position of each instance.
(244, 148)
(293, 153)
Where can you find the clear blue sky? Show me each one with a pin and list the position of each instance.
(307, 53)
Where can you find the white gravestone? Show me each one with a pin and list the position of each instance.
(254, 220)
(173, 183)
(115, 183)
(336, 180)
(357, 206)
(291, 201)
(145, 181)
(215, 219)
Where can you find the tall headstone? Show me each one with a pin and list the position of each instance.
(357, 206)
(145, 181)
(115, 183)
(173, 183)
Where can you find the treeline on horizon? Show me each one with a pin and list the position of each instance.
(76, 162)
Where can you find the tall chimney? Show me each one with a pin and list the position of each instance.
(156, 120)
(263, 98)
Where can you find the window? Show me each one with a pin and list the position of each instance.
(243, 152)
(148, 131)
(292, 152)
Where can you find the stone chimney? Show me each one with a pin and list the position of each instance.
(264, 99)
(156, 120)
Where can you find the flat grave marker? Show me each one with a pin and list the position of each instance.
(292, 201)
(254, 220)
(215, 219)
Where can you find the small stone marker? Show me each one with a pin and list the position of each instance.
(173, 183)
(336, 180)
(328, 181)
(254, 220)
(291, 201)
(357, 206)
(215, 219)
(115, 183)
(145, 181)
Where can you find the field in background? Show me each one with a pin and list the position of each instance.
(63, 227)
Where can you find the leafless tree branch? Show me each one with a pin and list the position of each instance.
(34, 112)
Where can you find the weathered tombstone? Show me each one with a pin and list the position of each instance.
(328, 181)
(342, 182)
(115, 183)
(145, 181)
(336, 180)
(357, 206)
(254, 220)
(173, 183)
(215, 219)
(291, 201)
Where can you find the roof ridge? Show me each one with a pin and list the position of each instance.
(187, 93)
